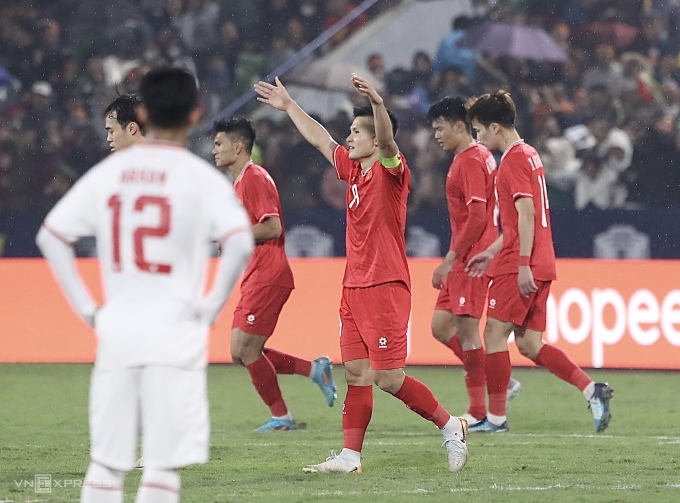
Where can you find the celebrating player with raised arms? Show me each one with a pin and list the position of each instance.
(376, 295)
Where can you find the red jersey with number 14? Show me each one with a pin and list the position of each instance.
(521, 174)
(376, 221)
(260, 197)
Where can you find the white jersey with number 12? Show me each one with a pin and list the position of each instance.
(154, 210)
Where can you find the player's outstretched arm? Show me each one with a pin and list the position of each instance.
(236, 251)
(61, 258)
(383, 126)
(278, 97)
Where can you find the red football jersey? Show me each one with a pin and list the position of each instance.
(260, 197)
(521, 174)
(471, 178)
(376, 221)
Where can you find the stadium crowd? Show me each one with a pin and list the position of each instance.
(606, 121)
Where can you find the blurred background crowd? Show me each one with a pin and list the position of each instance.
(605, 117)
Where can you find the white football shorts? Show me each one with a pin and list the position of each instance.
(171, 404)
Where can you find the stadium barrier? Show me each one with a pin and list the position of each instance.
(604, 314)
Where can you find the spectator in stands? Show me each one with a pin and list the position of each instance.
(335, 11)
(51, 47)
(595, 184)
(605, 71)
(451, 82)
(449, 54)
(654, 176)
(375, 63)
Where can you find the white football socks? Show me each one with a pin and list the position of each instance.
(159, 486)
(352, 457)
(452, 429)
(589, 390)
(102, 485)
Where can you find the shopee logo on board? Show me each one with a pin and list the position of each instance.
(607, 316)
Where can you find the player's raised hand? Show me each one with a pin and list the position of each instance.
(478, 264)
(366, 89)
(274, 95)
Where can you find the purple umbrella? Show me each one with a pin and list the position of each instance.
(514, 40)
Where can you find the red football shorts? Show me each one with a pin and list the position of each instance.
(463, 295)
(373, 324)
(507, 304)
(258, 310)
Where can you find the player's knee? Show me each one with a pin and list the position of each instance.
(442, 328)
(388, 380)
(358, 376)
(526, 350)
(240, 354)
(236, 357)
(440, 333)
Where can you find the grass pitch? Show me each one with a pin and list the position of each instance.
(551, 452)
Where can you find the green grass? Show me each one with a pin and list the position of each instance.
(550, 454)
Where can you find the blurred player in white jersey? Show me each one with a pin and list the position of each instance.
(123, 128)
(154, 208)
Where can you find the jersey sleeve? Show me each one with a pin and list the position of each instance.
(74, 216)
(262, 198)
(474, 181)
(399, 169)
(520, 177)
(342, 162)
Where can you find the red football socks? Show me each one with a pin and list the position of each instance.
(454, 345)
(288, 364)
(498, 370)
(263, 376)
(475, 381)
(356, 414)
(418, 397)
(558, 363)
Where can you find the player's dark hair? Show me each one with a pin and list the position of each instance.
(170, 95)
(450, 109)
(368, 112)
(496, 107)
(124, 106)
(238, 127)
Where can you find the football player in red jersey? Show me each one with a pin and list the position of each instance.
(123, 128)
(474, 226)
(267, 281)
(524, 266)
(376, 296)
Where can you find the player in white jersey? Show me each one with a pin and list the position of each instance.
(154, 209)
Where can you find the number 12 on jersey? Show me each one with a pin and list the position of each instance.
(141, 233)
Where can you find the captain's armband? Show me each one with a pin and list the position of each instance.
(390, 162)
